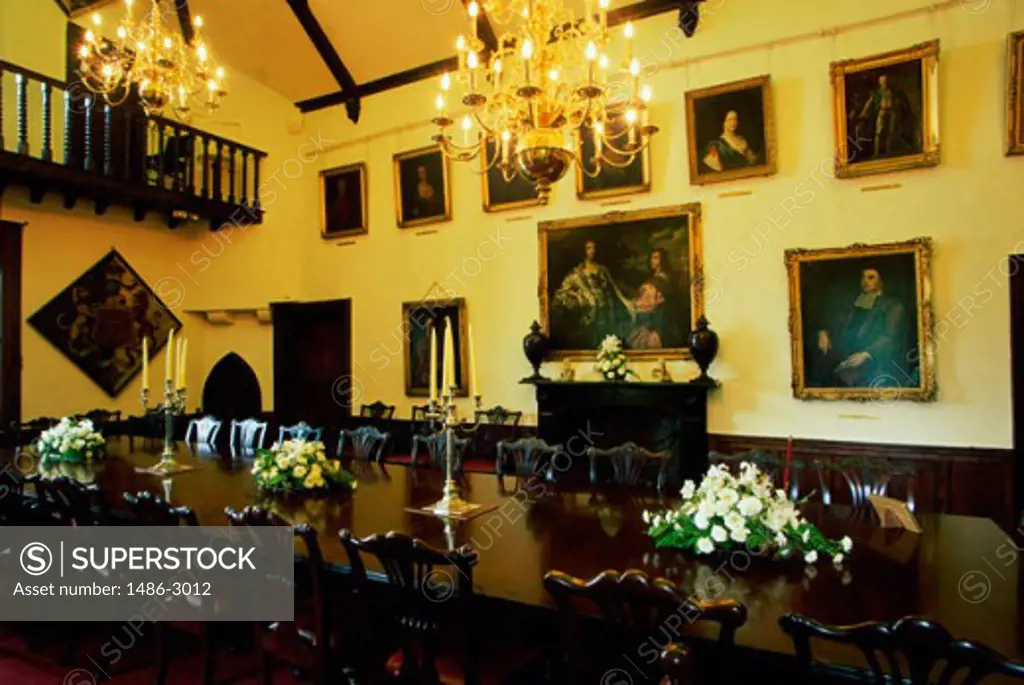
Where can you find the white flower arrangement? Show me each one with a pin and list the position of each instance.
(295, 465)
(71, 441)
(729, 511)
(611, 360)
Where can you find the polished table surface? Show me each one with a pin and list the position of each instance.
(962, 571)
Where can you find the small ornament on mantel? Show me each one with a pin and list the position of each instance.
(535, 347)
(568, 372)
(661, 372)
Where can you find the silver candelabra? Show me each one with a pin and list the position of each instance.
(174, 404)
(450, 504)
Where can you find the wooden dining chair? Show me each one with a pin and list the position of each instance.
(248, 434)
(436, 445)
(528, 456)
(377, 410)
(633, 607)
(498, 415)
(911, 650)
(307, 643)
(203, 431)
(631, 464)
(431, 597)
(150, 510)
(769, 464)
(368, 443)
(866, 476)
(62, 501)
(300, 431)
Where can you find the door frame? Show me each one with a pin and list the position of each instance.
(10, 297)
(284, 348)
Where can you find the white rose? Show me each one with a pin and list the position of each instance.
(780, 539)
(705, 546)
(701, 521)
(656, 521)
(838, 559)
(750, 506)
(88, 454)
(729, 495)
(806, 537)
(811, 557)
(734, 521)
(719, 534)
(739, 534)
(688, 490)
(646, 516)
(847, 544)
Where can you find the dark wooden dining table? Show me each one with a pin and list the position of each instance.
(961, 571)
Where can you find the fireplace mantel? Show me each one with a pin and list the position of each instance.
(654, 415)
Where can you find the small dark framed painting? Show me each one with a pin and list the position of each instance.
(418, 320)
(885, 111)
(500, 194)
(731, 131)
(860, 320)
(619, 175)
(422, 190)
(1015, 96)
(343, 201)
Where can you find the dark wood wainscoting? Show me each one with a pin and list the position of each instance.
(10, 329)
(955, 480)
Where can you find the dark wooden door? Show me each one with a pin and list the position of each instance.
(312, 361)
(10, 327)
(1017, 354)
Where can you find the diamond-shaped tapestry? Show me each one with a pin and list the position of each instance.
(99, 321)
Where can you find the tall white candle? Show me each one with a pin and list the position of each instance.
(449, 356)
(433, 363)
(145, 363)
(169, 359)
(177, 362)
(182, 363)
(472, 365)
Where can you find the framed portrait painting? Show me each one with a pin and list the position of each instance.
(343, 201)
(861, 322)
(418, 319)
(1015, 96)
(422, 190)
(885, 111)
(618, 176)
(500, 194)
(731, 131)
(636, 275)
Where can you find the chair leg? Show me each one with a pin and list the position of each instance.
(209, 655)
(161, 654)
(266, 667)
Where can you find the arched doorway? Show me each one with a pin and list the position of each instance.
(232, 390)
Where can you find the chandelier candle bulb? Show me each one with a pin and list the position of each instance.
(603, 5)
(472, 364)
(591, 62)
(628, 33)
(527, 54)
(506, 139)
(497, 75)
(474, 11)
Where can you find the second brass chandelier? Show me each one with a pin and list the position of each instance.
(550, 81)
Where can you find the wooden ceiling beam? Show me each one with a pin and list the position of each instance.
(185, 20)
(349, 93)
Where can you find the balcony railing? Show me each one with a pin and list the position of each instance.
(118, 155)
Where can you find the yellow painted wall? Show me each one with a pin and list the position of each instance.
(971, 206)
(190, 268)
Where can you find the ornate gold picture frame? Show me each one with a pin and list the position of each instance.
(730, 131)
(860, 321)
(1015, 96)
(343, 201)
(613, 180)
(885, 111)
(418, 318)
(500, 195)
(637, 275)
(422, 187)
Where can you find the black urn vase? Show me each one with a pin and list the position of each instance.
(535, 347)
(703, 344)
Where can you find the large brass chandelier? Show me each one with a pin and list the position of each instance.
(549, 83)
(165, 70)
